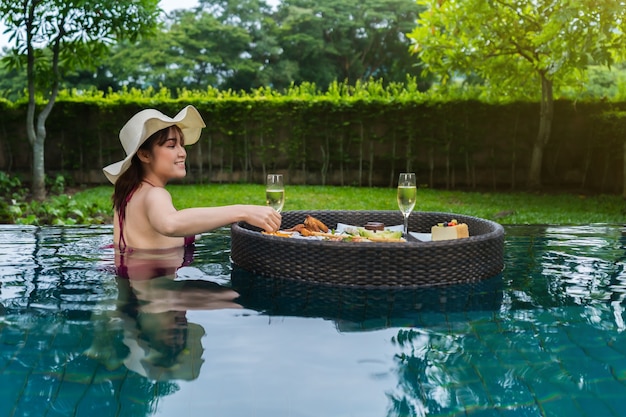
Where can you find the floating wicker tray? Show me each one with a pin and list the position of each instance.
(372, 264)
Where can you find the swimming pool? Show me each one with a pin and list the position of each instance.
(546, 337)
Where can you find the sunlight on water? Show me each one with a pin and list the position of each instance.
(546, 337)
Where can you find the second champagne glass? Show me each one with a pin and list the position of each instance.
(275, 191)
(407, 194)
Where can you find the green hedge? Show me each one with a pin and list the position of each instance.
(363, 135)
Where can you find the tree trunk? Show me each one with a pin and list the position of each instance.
(38, 143)
(37, 138)
(38, 185)
(545, 127)
(37, 132)
(37, 180)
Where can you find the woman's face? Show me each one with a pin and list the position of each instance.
(168, 158)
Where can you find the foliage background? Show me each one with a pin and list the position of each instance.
(327, 92)
(361, 135)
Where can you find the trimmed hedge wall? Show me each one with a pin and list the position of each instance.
(363, 140)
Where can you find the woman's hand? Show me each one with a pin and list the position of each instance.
(263, 217)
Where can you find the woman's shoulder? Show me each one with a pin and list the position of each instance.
(156, 193)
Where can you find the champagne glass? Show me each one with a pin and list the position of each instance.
(407, 194)
(275, 191)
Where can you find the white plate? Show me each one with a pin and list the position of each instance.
(424, 237)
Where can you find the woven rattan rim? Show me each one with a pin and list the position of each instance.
(368, 264)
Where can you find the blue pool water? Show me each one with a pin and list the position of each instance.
(545, 338)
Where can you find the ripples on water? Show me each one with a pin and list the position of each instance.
(544, 338)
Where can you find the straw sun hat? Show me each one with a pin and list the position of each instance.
(147, 122)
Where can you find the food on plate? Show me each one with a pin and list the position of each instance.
(315, 225)
(380, 235)
(300, 228)
(278, 233)
(312, 227)
(449, 230)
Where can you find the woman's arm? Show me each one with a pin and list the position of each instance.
(168, 221)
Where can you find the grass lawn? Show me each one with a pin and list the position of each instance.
(505, 208)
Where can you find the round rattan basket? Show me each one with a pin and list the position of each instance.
(372, 264)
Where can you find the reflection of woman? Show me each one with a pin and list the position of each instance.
(163, 346)
(148, 278)
(159, 342)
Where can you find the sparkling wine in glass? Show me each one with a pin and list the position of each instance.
(275, 191)
(407, 194)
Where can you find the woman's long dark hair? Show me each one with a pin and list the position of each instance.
(130, 180)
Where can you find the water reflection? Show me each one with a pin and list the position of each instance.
(540, 353)
(356, 309)
(151, 313)
(75, 340)
(528, 363)
(519, 343)
(546, 337)
(576, 265)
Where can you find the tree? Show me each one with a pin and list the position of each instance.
(51, 38)
(220, 43)
(193, 53)
(245, 44)
(520, 46)
(351, 40)
(260, 61)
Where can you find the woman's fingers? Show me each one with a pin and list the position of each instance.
(272, 220)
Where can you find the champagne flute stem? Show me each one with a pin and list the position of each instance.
(406, 225)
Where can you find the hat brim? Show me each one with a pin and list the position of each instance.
(188, 120)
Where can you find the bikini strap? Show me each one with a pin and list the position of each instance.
(121, 216)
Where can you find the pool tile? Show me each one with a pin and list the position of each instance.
(593, 407)
(560, 405)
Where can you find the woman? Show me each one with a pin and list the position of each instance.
(145, 217)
